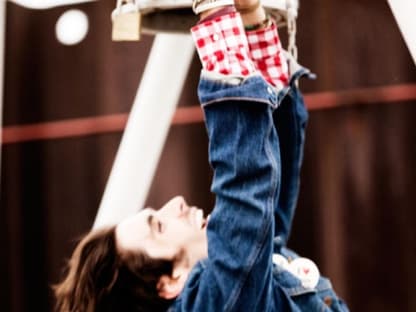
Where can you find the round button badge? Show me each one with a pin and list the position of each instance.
(306, 270)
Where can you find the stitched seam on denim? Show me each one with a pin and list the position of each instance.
(298, 163)
(237, 289)
(267, 227)
(220, 78)
(276, 174)
(300, 290)
(239, 99)
(276, 177)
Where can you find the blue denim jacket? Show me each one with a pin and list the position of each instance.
(256, 179)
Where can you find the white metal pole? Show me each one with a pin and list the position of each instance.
(404, 11)
(2, 56)
(147, 128)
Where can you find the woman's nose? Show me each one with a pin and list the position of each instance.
(175, 208)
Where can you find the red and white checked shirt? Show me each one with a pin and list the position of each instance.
(224, 47)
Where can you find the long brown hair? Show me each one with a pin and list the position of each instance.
(99, 279)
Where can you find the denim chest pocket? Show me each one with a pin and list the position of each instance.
(321, 298)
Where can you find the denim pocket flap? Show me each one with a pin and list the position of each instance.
(293, 286)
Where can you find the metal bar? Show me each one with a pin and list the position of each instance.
(404, 12)
(147, 128)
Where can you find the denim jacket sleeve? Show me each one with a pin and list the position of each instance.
(242, 139)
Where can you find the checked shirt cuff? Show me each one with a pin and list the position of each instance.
(266, 52)
(222, 45)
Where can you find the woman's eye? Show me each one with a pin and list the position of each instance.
(160, 227)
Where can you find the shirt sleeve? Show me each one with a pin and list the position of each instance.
(226, 48)
(266, 52)
(222, 45)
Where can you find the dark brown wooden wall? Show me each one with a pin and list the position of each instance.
(356, 213)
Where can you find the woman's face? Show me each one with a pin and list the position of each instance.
(174, 229)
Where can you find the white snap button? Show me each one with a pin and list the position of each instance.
(270, 90)
(215, 37)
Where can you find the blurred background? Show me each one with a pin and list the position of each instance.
(356, 215)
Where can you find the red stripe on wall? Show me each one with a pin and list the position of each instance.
(188, 115)
(375, 95)
(64, 128)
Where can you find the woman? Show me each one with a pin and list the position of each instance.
(173, 258)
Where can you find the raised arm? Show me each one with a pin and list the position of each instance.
(238, 104)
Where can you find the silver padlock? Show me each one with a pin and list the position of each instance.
(126, 21)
